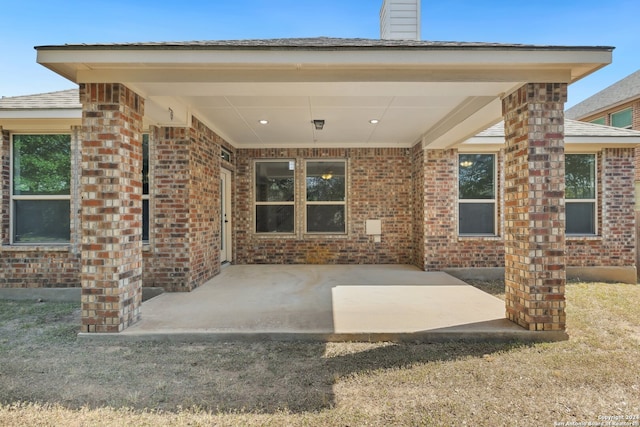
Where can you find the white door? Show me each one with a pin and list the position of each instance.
(226, 254)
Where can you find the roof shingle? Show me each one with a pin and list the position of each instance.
(315, 43)
(572, 128)
(64, 99)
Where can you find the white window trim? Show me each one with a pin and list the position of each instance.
(14, 197)
(594, 200)
(326, 203)
(288, 203)
(469, 201)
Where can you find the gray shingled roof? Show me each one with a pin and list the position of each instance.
(64, 99)
(624, 90)
(321, 43)
(572, 128)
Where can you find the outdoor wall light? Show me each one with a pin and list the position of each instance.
(319, 124)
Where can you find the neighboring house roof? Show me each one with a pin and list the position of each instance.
(64, 99)
(620, 92)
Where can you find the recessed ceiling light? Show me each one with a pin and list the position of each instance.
(374, 121)
(264, 122)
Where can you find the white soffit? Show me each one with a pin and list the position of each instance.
(436, 97)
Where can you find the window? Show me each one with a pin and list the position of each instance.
(325, 200)
(226, 155)
(274, 196)
(41, 188)
(622, 119)
(477, 194)
(145, 187)
(599, 121)
(580, 193)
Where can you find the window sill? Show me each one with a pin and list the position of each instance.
(63, 247)
(324, 236)
(576, 237)
(486, 237)
(275, 235)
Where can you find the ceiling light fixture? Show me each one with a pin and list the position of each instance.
(327, 175)
(264, 122)
(319, 124)
(374, 121)
(466, 163)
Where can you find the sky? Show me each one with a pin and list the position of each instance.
(29, 23)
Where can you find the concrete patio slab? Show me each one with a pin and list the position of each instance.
(329, 303)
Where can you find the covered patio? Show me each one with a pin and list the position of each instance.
(328, 303)
(236, 131)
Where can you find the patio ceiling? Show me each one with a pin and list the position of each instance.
(438, 94)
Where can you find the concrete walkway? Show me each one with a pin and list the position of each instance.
(330, 303)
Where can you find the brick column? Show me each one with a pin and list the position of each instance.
(534, 206)
(111, 188)
(440, 199)
(170, 198)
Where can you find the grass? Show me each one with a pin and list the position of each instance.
(48, 377)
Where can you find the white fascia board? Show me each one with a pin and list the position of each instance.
(363, 56)
(69, 62)
(39, 125)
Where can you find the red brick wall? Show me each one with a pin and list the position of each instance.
(33, 266)
(167, 262)
(184, 232)
(443, 247)
(111, 185)
(204, 203)
(616, 244)
(417, 176)
(41, 267)
(534, 226)
(379, 187)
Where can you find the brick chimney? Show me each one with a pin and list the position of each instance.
(400, 20)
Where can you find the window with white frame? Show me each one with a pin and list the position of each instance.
(580, 193)
(476, 194)
(40, 188)
(325, 196)
(622, 119)
(274, 196)
(145, 187)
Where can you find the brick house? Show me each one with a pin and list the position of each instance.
(183, 156)
(617, 105)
